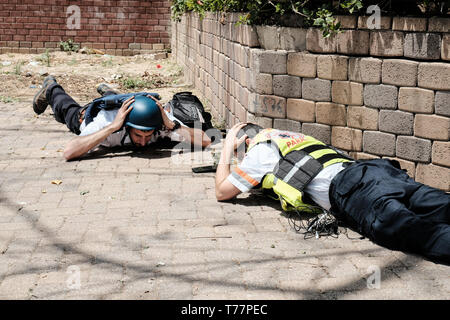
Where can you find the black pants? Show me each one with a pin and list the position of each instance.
(384, 204)
(65, 108)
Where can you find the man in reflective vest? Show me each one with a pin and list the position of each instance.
(110, 121)
(374, 197)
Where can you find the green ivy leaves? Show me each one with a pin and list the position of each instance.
(318, 13)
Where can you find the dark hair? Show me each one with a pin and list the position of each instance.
(251, 130)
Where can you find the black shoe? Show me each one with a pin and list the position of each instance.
(40, 102)
(103, 89)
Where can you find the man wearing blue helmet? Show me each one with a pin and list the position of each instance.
(115, 120)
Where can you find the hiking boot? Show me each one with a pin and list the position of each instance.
(40, 101)
(104, 89)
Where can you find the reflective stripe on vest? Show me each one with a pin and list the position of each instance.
(295, 168)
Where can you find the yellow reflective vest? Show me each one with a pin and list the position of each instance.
(302, 158)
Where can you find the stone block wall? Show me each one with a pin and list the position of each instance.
(372, 93)
(115, 27)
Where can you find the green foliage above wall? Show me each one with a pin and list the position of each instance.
(318, 13)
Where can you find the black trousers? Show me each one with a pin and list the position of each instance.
(65, 109)
(384, 204)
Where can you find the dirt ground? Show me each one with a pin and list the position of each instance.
(22, 74)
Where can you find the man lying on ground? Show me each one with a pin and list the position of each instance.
(374, 197)
(114, 120)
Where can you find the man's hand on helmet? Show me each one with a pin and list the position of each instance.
(124, 110)
(232, 143)
(166, 121)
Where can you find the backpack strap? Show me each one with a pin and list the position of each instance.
(113, 101)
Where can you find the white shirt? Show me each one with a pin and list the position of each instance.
(105, 117)
(263, 158)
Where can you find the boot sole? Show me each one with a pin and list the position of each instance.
(102, 89)
(45, 85)
(35, 106)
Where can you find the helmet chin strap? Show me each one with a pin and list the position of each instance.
(127, 134)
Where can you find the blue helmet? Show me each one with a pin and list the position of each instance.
(145, 115)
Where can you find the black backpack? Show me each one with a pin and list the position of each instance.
(188, 109)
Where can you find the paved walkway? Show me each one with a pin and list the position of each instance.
(139, 226)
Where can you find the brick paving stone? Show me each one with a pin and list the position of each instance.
(174, 240)
(386, 43)
(434, 76)
(332, 67)
(416, 100)
(424, 46)
(286, 124)
(381, 96)
(316, 89)
(319, 131)
(441, 153)
(399, 72)
(362, 118)
(442, 103)
(433, 175)
(302, 64)
(409, 24)
(18, 286)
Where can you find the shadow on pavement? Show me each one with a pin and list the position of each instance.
(140, 272)
(157, 150)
